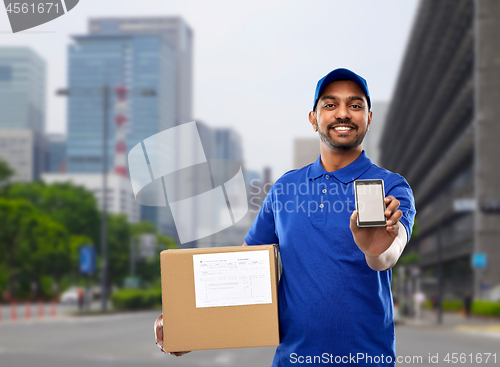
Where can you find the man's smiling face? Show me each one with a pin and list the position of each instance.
(341, 116)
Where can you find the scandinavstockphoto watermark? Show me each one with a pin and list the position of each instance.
(205, 196)
(31, 13)
(309, 197)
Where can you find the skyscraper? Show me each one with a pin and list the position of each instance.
(178, 35)
(228, 145)
(22, 104)
(145, 65)
(22, 89)
(153, 54)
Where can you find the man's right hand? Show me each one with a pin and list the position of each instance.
(159, 337)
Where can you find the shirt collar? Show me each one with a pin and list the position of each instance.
(346, 174)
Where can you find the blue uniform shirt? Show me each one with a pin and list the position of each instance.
(333, 308)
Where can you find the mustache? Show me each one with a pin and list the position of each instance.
(342, 122)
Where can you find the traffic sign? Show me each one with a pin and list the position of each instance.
(87, 259)
(479, 260)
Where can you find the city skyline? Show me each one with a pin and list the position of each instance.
(243, 55)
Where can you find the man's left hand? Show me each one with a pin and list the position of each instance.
(374, 241)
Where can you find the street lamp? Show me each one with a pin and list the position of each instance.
(147, 92)
(104, 196)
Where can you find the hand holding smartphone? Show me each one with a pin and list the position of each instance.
(370, 203)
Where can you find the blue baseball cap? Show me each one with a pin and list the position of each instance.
(344, 74)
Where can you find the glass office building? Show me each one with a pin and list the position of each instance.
(145, 65)
(22, 89)
(179, 36)
(22, 106)
(178, 104)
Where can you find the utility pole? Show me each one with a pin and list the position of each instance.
(104, 197)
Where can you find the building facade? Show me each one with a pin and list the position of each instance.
(23, 151)
(22, 104)
(152, 54)
(179, 36)
(55, 153)
(442, 134)
(22, 89)
(145, 65)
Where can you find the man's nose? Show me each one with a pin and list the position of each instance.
(342, 112)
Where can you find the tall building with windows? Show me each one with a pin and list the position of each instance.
(179, 36)
(22, 106)
(152, 58)
(442, 134)
(22, 151)
(228, 145)
(145, 65)
(22, 89)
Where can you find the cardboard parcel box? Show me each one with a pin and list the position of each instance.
(219, 297)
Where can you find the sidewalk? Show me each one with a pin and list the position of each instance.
(482, 325)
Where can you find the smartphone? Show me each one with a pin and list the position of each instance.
(370, 203)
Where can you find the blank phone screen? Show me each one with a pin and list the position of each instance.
(370, 202)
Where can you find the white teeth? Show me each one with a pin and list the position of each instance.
(343, 128)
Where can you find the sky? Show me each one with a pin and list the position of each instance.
(256, 63)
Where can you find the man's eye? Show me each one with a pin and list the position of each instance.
(329, 105)
(356, 106)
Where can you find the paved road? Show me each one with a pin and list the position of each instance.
(424, 342)
(108, 341)
(127, 340)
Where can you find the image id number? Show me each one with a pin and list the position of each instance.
(470, 358)
(32, 8)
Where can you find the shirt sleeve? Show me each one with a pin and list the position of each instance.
(401, 190)
(263, 230)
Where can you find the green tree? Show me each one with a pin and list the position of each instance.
(165, 242)
(118, 248)
(43, 248)
(142, 227)
(32, 244)
(6, 171)
(72, 206)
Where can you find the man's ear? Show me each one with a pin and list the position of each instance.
(312, 120)
(369, 119)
